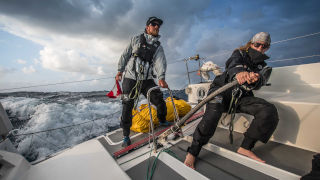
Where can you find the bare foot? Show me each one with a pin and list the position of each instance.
(190, 160)
(249, 154)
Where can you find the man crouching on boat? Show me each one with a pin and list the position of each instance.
(246, 65)
(143, 56)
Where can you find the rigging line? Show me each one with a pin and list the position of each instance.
(227, 52)
(48, 142)
(183, 59)
(24, 118)
(298, 37)
(69, 82)
(175, 61)
(65, 126)
(293, 38)
(288, 59)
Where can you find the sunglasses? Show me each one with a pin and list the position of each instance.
(154, 24)
(264, 46)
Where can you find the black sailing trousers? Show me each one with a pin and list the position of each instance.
(156, 98)
(261, 128)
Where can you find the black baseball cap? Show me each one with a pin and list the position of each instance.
(153, 18)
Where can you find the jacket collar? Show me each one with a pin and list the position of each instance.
(151, 39)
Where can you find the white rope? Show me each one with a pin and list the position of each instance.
(72, 125)
(181, 60)
(229, 51)
(298, 37)
(40, 85)
(175, 61)
(288, 59)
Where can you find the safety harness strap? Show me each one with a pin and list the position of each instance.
(236, 95)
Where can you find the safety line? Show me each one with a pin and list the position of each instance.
(179, 60)
(41, 85)
(302, 57)
(228, 51)
(37, 132)
(298, 37)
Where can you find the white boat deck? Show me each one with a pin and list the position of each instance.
(295, 91)
(88, 160)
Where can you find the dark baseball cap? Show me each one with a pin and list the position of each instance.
(153, 18)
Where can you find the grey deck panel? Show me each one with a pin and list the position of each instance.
(292, 159)
(289, 158)
(116, 137)
(162, 171)
(217, 167)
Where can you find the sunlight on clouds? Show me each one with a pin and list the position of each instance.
(20, 61)
(61, 52)
(82, 77)
(100, 71)
(90, 40)
(36, 61)
(28, 70)
(65, 60)
(87, 37)
(94, 82)
(3, 72)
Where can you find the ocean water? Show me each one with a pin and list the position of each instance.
(45, 123)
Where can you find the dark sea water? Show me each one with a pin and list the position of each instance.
(47, 122)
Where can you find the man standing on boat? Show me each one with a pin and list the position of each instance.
(143, 59)
(246, 65)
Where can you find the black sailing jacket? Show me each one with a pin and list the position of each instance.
(239, 62)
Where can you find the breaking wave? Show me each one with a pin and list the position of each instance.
(93, 115)
(38, 118)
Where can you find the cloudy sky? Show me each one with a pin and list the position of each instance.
(55, 41)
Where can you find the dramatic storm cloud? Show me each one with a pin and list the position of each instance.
(84, 39)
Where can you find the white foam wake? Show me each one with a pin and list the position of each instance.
(44, 115)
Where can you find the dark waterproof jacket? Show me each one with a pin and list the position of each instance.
(238, 62)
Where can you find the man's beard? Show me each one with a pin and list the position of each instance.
(154, 33)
